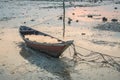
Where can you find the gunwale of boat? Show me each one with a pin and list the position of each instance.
(49, 44)
(60, 42)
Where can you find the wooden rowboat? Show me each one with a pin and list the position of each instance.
(54, 49)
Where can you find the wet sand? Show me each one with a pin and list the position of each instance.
(18, 62)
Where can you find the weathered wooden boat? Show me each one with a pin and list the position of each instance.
(54, 49)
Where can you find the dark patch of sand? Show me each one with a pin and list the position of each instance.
(101, 42)
(109, 26)
(55, 66)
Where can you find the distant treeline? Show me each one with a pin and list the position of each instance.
(55, 0)
(72, 0)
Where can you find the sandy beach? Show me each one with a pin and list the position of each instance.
(90, 34)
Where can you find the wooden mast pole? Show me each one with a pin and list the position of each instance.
(63, 18)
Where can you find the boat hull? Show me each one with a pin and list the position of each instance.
(51, 49)
(54, 51)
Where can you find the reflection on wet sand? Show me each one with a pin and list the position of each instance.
(44, 62)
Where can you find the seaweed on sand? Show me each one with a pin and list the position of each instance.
(6, 18)
(96, 57)
(110, 26)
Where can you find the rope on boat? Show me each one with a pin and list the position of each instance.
(96, 57)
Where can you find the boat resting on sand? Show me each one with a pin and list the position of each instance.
(43, 42)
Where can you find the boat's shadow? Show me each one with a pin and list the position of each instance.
(53, 65)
